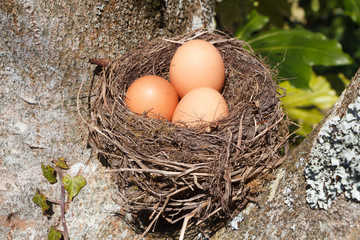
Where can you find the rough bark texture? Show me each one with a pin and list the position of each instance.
(283, 212)
(44, 52)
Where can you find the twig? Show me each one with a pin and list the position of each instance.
(156, 218)
(241, 177)
(188, 217)
(173, 41)
(153, 213)
(102, 62)
(177, 191)
(162, 172)
(190, 199)
(255, 127)
(103, 95)
(197, 183)
(62, 203)
(240, 133)
(208, 216)
(267, 129)
(143, 170)
(188, 171)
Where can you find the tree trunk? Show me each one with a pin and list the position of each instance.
(44, 56)
(44, 50)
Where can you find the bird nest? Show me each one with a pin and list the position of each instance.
(188, 174)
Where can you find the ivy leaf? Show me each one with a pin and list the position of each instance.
(49, 173)
(40, 200)
(54, 234)
(61, 163)
(296, 51)
(256, 22)
(73, 185)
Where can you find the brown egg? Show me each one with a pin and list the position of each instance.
(196, 63)
(152, 94)
(200, 106)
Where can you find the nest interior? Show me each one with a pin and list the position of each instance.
(177, 172)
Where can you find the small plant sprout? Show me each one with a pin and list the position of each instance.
(71, 185)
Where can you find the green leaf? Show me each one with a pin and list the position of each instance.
(320, 94)
(315, 5)
(352, 9)
(343, 79)
(54, 234)
(323, 96)
(306, 106)
(306, 118)
(255, 23)
(73, 185)
(297, 50)
(40, 200)
(292, 68)
(49, 173)
(61, 163)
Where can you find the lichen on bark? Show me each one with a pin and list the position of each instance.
(334, 163)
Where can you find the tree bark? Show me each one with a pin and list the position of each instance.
(44, 50)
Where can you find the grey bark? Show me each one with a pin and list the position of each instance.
(44, 51)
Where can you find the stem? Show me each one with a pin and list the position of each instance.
(62, 204)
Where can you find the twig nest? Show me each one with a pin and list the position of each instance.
(177, 172)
